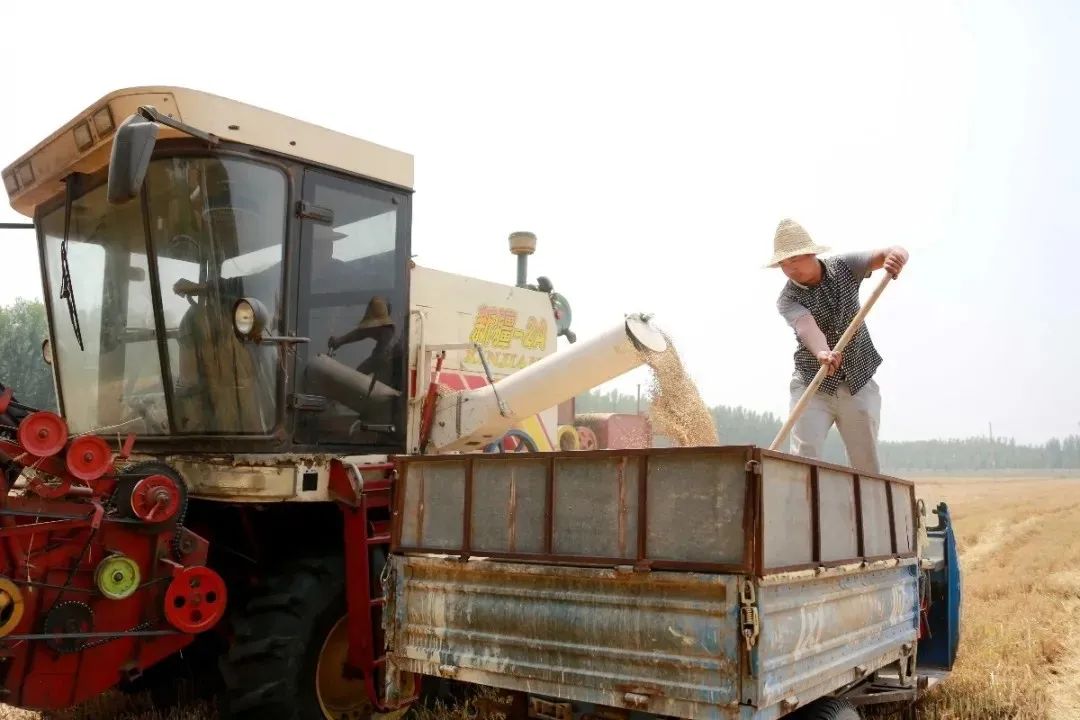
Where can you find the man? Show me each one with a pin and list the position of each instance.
(819, 301)
(376, 325)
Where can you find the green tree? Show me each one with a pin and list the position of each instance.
(22, 328)
(738, 426)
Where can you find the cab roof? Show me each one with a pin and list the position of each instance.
(84, 143)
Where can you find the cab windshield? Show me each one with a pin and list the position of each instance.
(216, 229)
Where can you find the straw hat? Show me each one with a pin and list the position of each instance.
(791, 240)
(376, 315)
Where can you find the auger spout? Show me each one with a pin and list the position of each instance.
(469, 420)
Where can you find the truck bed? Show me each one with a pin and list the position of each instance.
(690, 582)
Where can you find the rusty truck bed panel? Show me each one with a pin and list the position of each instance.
(582, 508)
(669, 639)
(731, 509)
(831, 630)
(668, 643)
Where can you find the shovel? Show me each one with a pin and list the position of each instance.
(824, 370)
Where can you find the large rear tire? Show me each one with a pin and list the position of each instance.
(830, 709)
(273, 669)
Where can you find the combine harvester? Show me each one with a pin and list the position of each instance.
(261, 393)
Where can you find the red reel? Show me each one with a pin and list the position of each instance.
(43, 434)
(88, 458)
(155, 498)
(195, 599)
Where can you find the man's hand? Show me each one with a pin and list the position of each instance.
(895, 260)
(830, 359)
(333, 343)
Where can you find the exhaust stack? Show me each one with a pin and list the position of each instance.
(522, 244)
(470, 420)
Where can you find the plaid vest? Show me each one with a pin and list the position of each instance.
(834, 302)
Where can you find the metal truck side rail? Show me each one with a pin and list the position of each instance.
(711, 509)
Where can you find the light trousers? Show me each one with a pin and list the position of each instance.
(856, 416)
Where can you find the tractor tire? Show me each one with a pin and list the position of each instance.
(271, 669)
(829, 709)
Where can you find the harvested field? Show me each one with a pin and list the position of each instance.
(1019, 658)
(115, 706)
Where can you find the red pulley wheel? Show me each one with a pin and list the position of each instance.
(88, 457)
(155, 498)
(43, 434)
(195, 599)
(587, 438)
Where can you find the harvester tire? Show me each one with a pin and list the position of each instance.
(270, 670)
(830, 709)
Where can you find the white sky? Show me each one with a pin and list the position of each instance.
(653, 149)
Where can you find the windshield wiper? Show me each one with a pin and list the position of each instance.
(71, 183)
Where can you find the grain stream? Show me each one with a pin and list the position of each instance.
(676, 408)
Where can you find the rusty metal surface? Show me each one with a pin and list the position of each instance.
(726, 509)
(787, 512)
(839, 529)
(264, 477)
(824, 631)
(814, 514)
(238, 483)
(689, 509)
(668, 640)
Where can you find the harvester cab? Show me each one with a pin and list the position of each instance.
(240, 344)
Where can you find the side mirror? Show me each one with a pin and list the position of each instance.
(131, 150)
(46, 351)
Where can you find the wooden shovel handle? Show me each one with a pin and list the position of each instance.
(824, 369)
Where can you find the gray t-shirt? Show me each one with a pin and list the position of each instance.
(858, 263)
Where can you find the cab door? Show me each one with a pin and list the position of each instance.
(353, 305)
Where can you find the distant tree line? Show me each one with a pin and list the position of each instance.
(738, 426)
(22, 329)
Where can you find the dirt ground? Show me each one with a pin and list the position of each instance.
(1019, 658)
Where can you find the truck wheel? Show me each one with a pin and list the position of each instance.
(830, 709)
(280, 666)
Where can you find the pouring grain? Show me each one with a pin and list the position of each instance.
(676, 407)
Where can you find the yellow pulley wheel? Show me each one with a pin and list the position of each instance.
(568, 438)
(11, 606)
(117, 577)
